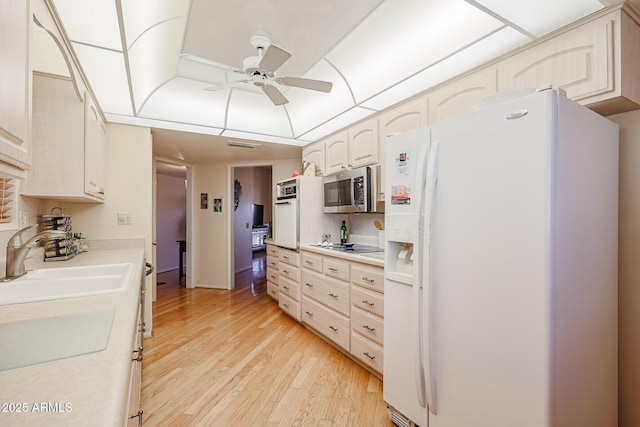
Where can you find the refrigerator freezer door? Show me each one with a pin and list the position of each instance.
(489, 286)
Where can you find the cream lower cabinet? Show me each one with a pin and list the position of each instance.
(289, 282)
(134, 413)
(344, 302)
(367, 312)
(272, 271)
(325, 306)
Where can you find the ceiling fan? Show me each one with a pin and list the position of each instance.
(259, 70)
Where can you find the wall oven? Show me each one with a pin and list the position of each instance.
(352, 191)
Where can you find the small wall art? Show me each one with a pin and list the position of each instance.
(217, 205)
(204, 200)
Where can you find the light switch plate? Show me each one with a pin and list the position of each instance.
(125, 218)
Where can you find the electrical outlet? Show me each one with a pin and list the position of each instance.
(23, 219)
(125, 218)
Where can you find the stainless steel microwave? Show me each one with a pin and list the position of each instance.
(353, 191)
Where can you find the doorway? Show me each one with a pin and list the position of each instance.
(171, 223)
(252, 218)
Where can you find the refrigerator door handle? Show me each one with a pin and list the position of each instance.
(429, 201)
(416, 308)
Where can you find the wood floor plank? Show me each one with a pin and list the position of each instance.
(233, 358)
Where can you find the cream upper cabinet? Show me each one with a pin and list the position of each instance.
(363, 144)
(595, 62)
(314, 153)
(336, 153)
(460, 96)
(62, 156)
(95, 150)
(15, 83)
(402, 118)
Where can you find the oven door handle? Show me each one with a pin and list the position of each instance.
(284, 202)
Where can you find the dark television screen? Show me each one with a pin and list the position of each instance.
(258, 215)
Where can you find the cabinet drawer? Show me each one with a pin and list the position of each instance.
(273, 262)
(367, 300)
(368, 352)
(289, 272)
(368, 325)
(289, 257)
(272, 290)
(272, 250)
(312, 261)
(290, 288)
(329, 323)
(330, 292)
(367, 276)
(272, 276)
(336, 268)
(289, 306)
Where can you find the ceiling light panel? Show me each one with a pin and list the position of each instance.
(493, 46)
(373, 58)
(184, 100)
(92, 22)
(162, 124)
(140, 15)
(105, 71)
(541, 16)
(153, 58)
(307, 109)
(196, 68)
(254, 112)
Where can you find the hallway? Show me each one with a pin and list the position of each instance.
(228, 358)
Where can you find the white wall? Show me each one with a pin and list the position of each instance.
(212, 240)
(629, 269)
(171, 217)
(129, 189)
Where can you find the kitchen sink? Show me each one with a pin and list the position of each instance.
(67, 282)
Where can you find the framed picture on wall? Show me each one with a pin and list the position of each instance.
(204, 200)
(217, 205)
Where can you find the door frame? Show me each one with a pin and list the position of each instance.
(231, 279)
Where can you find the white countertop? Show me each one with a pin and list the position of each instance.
(85, 390)
(373, 258)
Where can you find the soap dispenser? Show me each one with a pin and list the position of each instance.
(343, 233)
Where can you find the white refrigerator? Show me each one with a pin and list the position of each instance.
(501, 268)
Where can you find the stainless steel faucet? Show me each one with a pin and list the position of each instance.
(17, 251)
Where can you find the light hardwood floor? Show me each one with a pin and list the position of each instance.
(232, 358)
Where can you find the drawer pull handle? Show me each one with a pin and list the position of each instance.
(273, 277)
(366, 279)
(273, 292)
(334, 329)
(335, 270)
(310, 314)
(286, 287)
(308, 262)
(286, 305)
(285, 271)
(370, 304)
(309, 285)
(333, 295)
(285, 257)
(138, 353)
(369, 328)
(366, 353)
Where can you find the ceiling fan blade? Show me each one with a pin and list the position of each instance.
(274, 95)
(274, 58)
(319, 85)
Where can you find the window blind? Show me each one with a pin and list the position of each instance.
(8, 203)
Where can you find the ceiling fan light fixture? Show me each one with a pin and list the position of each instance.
(242, 144)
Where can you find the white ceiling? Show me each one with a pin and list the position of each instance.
(375, 52)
